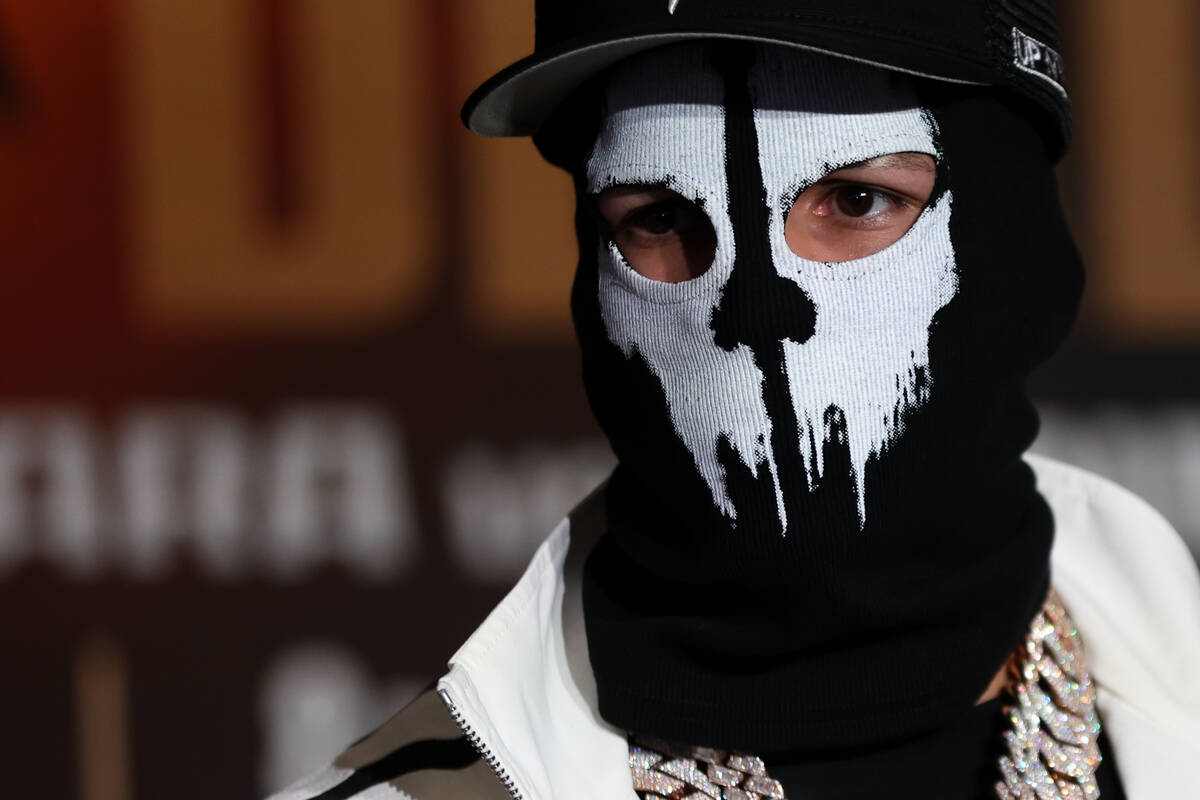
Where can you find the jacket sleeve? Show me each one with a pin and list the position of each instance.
(419, 754)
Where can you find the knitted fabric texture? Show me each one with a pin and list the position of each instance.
(821, 530)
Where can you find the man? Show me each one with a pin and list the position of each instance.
(820, 251)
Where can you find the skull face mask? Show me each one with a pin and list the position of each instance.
(820, 531)
(843, 345)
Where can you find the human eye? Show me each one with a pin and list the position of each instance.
(857, 203)
(859, 210)
(661, 234)
(657, 222)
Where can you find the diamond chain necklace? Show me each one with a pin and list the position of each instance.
(1053, 746)
(1052, 749)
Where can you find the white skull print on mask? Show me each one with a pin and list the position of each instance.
(868, 353)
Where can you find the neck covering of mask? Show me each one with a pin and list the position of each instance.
(820, 529)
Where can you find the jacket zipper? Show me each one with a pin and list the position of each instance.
(484, 751)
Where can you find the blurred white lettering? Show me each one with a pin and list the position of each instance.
(323, 486)
(338, 472)
(71, 508)
(48, 491)
(183, 476)
(498, 507)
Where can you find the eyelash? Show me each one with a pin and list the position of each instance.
(895, 201)
(637, 218)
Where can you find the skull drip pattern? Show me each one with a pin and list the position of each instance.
(768, 353)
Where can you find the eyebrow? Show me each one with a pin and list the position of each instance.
(920, 162)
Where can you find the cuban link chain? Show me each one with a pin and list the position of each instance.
(667, 771)
(1053, 746)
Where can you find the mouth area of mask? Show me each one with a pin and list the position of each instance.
(768, 360)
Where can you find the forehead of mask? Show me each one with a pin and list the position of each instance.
(664, 121)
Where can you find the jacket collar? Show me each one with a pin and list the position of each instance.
(1131, 586)
(523, 685)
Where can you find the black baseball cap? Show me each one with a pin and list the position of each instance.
(1011, 44)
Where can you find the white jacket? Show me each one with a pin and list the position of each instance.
(522, 690)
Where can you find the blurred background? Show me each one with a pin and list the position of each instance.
(289, 388)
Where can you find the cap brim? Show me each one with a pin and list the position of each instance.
(517, 100)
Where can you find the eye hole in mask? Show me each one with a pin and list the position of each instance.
(661, 234)
(860, 209)
(851, 213)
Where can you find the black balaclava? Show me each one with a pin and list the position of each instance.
(820, 529)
